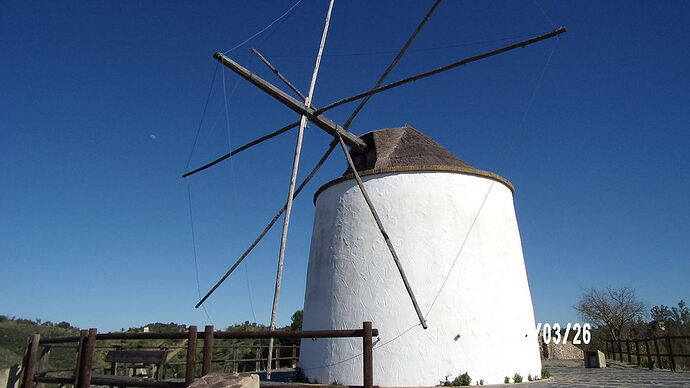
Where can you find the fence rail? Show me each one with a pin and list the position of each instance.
(649, 348)
(35, 364)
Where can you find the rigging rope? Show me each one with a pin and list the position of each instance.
(189, 190)
(196, 138)
(203, 114)
(265, 28)
(464, 241)
(423, 49)
(196, 261)
(544, 13)
(474, 221)
(376, 346)
(232, 176)
(316, 168)
(504, 154)
(530, 102)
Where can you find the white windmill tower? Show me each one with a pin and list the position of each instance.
(398, 165)
(455, 231)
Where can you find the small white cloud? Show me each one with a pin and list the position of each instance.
(153, 137)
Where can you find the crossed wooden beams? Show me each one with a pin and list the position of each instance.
(341, 136)
(344, 138)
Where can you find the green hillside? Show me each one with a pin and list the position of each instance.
(14, 332)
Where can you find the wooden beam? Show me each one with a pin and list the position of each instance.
(319, 120)
(384, 234)
(277, 73)
(29, 363)
(242, 148)
(453, 65)
(191, 355)
(367, 356)
(270, 224)
(86, 353)
(393, 63)
(291, 86)
(208, 350)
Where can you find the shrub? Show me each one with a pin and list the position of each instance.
(445, 382)
(462, 380)
(529, 377)
(481, 382)
(517, 378)
(298, 376)
(506, 380)
(545, 374)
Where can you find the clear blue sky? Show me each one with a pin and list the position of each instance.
(100, 102)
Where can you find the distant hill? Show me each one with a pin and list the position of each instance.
(14, 332)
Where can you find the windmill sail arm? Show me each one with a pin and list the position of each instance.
(242, 148)
(318, 119)
(268, 227)
(393, 63)
(442, 69)
(277, 73)
(384, 234)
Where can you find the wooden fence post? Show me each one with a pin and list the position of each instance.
(627, 351)
(649, 356)
(257, 363)
(620, 350)
(235, 358)
(86, 351)
(277, 357)
(294, 356)
(637, 351)
(43, 364)
(670, 354)
(208, 350)
(191, 355)
(29, 363)
(368, 356)
(658, 354)
(77, 364)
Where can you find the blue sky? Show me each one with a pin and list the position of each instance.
(101, 102)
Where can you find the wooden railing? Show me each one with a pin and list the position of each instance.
(35, 369)
(649, 348)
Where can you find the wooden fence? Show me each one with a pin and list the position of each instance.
(648, 348)
(35, 365)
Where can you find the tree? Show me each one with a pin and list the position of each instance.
(674, 320)
(296, 324)
(614, 309)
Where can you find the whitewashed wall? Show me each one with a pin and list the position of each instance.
(482, 322)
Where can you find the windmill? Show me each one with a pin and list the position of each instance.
(359, 145)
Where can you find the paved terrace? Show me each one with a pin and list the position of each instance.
(567, 373)
(612, 377)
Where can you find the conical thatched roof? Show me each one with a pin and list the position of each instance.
(406, 150)
(402, 147)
